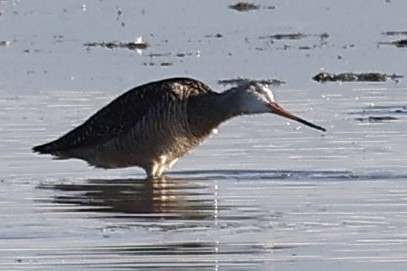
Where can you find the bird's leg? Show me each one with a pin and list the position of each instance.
(151, 171)
(171, 163)
(161, 165)
(160, 170)
(158, 167)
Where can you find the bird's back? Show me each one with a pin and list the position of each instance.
(119, 117)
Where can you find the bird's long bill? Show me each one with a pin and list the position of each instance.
(278, 110)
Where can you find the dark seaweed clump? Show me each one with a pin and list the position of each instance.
(244, 6)
(323, 77)
(394, 33)
(132, 45)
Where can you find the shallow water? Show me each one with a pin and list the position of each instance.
(262, 194)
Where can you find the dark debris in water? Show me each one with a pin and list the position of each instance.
(398, 43)
(166, 63)
(375, 119)
(323, 77)
(4, 43)
(394, 33)
(239, 80)
(288, 36)
(132, 45)
(217, 35)
(156, 59)
(402, 43)
(162, 63)
(246, 6)
(293, 36)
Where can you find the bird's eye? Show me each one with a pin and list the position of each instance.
(255, 89)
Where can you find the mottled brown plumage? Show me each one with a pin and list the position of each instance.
(152, 125)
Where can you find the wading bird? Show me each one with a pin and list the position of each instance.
(153, 125)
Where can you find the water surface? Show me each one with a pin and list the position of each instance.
(263, 194)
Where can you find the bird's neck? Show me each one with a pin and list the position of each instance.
(206, 112)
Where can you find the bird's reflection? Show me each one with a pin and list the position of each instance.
(163, 198)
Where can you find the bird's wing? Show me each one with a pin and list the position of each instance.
(123, 113)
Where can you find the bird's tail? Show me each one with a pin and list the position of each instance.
(42, 149)
(60, 150)
(48, 148)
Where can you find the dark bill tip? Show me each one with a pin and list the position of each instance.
(311, 125)
(278, 110)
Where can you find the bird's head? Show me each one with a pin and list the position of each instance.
(254, 97)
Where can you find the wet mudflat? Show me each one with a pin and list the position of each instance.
(262, 194)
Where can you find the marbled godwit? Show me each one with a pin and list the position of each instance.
(152, 125)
